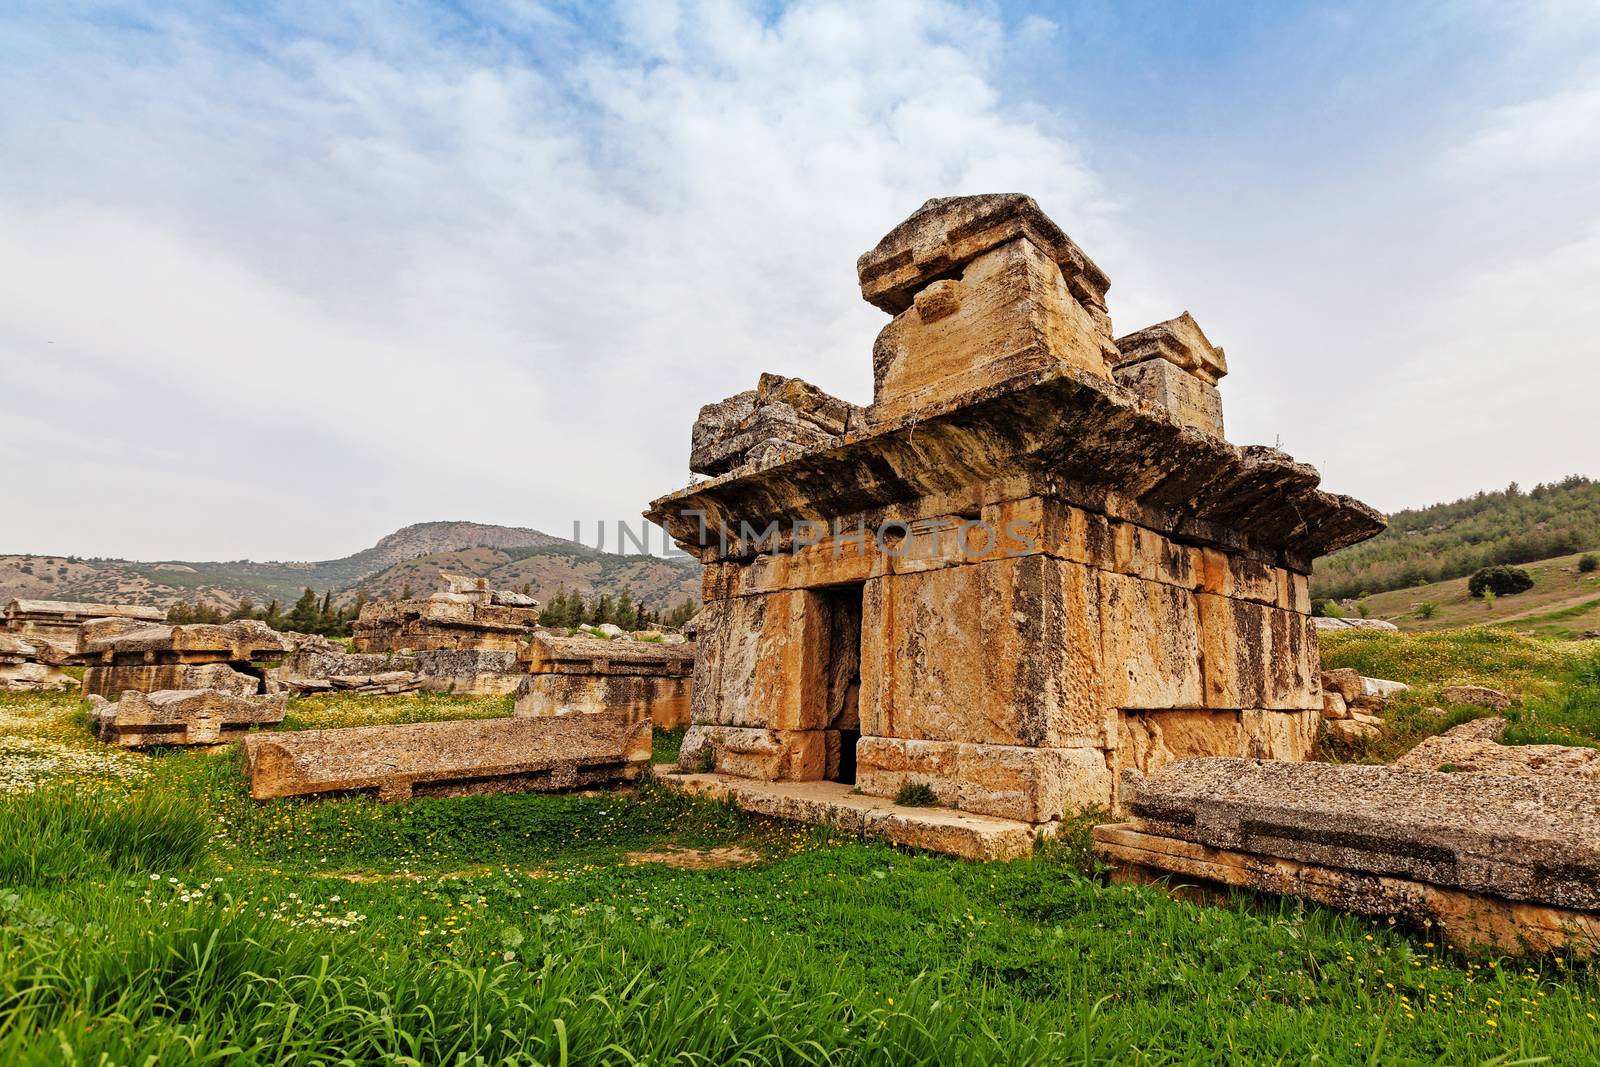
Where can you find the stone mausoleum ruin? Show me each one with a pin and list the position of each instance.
(466, 616)
(1032, 562)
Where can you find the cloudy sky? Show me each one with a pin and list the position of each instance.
(278, 279)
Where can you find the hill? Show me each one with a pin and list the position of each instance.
(1445, 541)
(542, 571)
(414, 555)
(1564, 602)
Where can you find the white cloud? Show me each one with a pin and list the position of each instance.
(312, 286)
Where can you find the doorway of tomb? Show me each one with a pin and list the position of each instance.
(842, 605)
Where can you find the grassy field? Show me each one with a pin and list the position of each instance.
(1556, 685)
(1562, 603)
(151, 913)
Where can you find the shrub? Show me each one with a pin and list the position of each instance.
(916, 795)
(1588, 562)
(1502, 581)
(1330, 609)
(1363, 610)
(1427, 609)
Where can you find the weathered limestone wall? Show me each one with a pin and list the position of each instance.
(1016, 682)
(473, 672)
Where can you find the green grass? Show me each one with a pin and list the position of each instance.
(1556, 685)
(167, 918)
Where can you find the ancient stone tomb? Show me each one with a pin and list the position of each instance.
(1030, 563)
(60, 622)
(222, 657)
(646, 680)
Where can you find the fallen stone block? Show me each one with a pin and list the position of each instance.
(1474, 748)
(1467, 918)
(234, 642)
(29, 666)
(182, 717)
(60, 622)
(1532, 838)
(451, 758)
(1355, 624)
(1480, 695)
(386, 682)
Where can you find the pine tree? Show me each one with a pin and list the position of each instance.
(304, 616)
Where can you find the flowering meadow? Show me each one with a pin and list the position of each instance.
(151, 913)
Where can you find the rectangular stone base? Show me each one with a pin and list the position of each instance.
(663, 702)
(112, 681)
(182, 717)
(752, 752)
(1474, 919)
(955, 833)
(458, 758)
(469, 673)
(1032, 785)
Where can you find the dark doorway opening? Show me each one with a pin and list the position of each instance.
(843, 606)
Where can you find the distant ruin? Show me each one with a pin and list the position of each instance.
(467, 615)
(221, 656)
(60, 621)
(646, 680)
(1030, 563)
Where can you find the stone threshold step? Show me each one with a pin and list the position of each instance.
(933, 829)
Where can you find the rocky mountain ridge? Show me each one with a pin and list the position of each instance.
(411, 557)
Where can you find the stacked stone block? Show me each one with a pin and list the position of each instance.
(1023, 575)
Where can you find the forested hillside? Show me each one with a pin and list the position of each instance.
(1455, 539)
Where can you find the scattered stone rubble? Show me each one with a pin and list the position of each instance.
(446, 759)
(28, 666)
(1030, 563)
(1511, 862)
(60, 622)
(221, 657)
(1473, 747)
(182, 717)
(648, 681)
(1351, 703)
(468, 615)
(1323, 623)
